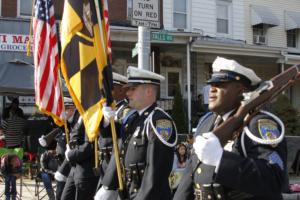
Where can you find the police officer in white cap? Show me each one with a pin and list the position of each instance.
(252, 166)
(149, 147)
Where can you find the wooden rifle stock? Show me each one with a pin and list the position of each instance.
(254, 101)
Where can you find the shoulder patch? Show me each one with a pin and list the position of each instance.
(274, 158)
(268, 129)
(164, 128)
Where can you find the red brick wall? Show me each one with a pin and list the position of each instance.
(117, 10)
(9, 8)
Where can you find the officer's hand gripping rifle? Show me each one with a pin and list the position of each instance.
(254, 101)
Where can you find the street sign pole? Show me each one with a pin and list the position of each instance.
(145, 15)
(144, 48)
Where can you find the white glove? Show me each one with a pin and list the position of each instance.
(2, 137)
(108, 113)
(60, 177)
(208, 149)
(43, 141)
(67, 152)
(104, 194)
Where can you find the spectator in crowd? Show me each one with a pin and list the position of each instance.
(181, 156)
(198, 109)
(13, 128)
(179, 164)
(49, 165)
(11, 167)
(189, 144)
(205, 93)
(14, 108)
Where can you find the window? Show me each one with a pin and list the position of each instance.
(223, 17)
(259, 30)
(25, 8)
(173, 78)
(129, 9)
(179, 14)
(291, 37)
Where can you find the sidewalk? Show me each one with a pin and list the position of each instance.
(293, 196)
(26, 191)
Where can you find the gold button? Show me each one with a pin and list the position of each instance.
(134, 142)
(199, 170)
(142, 171)
(135, 190)
(197, 186)
(209, 196)
(134, 172)
(219, 196)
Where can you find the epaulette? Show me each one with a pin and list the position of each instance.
(163, 128)
(268, 132)
(202, 120)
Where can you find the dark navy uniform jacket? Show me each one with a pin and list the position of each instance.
(123, 112)
(81, 157)
(250, 171)
(148, 156)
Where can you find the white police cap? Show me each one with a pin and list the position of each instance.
(119, 79)
(225, 70)
(140, 76)
(68, 101)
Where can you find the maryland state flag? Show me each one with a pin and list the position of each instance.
(85, 60)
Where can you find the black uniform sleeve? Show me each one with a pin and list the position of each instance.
(81, 152)
(185, 188)
(159, 165)
(261, 173)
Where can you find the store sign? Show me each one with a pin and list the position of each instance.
(14, 42)
(145, 13)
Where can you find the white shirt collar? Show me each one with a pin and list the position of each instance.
(141, 111)
(226, 115)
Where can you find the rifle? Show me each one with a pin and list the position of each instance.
(254, 101)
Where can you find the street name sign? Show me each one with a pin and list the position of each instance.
(161, 36)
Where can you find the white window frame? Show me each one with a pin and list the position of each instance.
(173, 69)
(187, 18)
(228, 4)
(19, 10)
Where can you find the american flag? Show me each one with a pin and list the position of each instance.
(48, 95)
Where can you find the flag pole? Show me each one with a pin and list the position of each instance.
(30, 31)
(112, 122)
(64, 109)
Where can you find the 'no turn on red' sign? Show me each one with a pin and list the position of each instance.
(145, 13)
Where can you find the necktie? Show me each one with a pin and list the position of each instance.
(219, 120)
